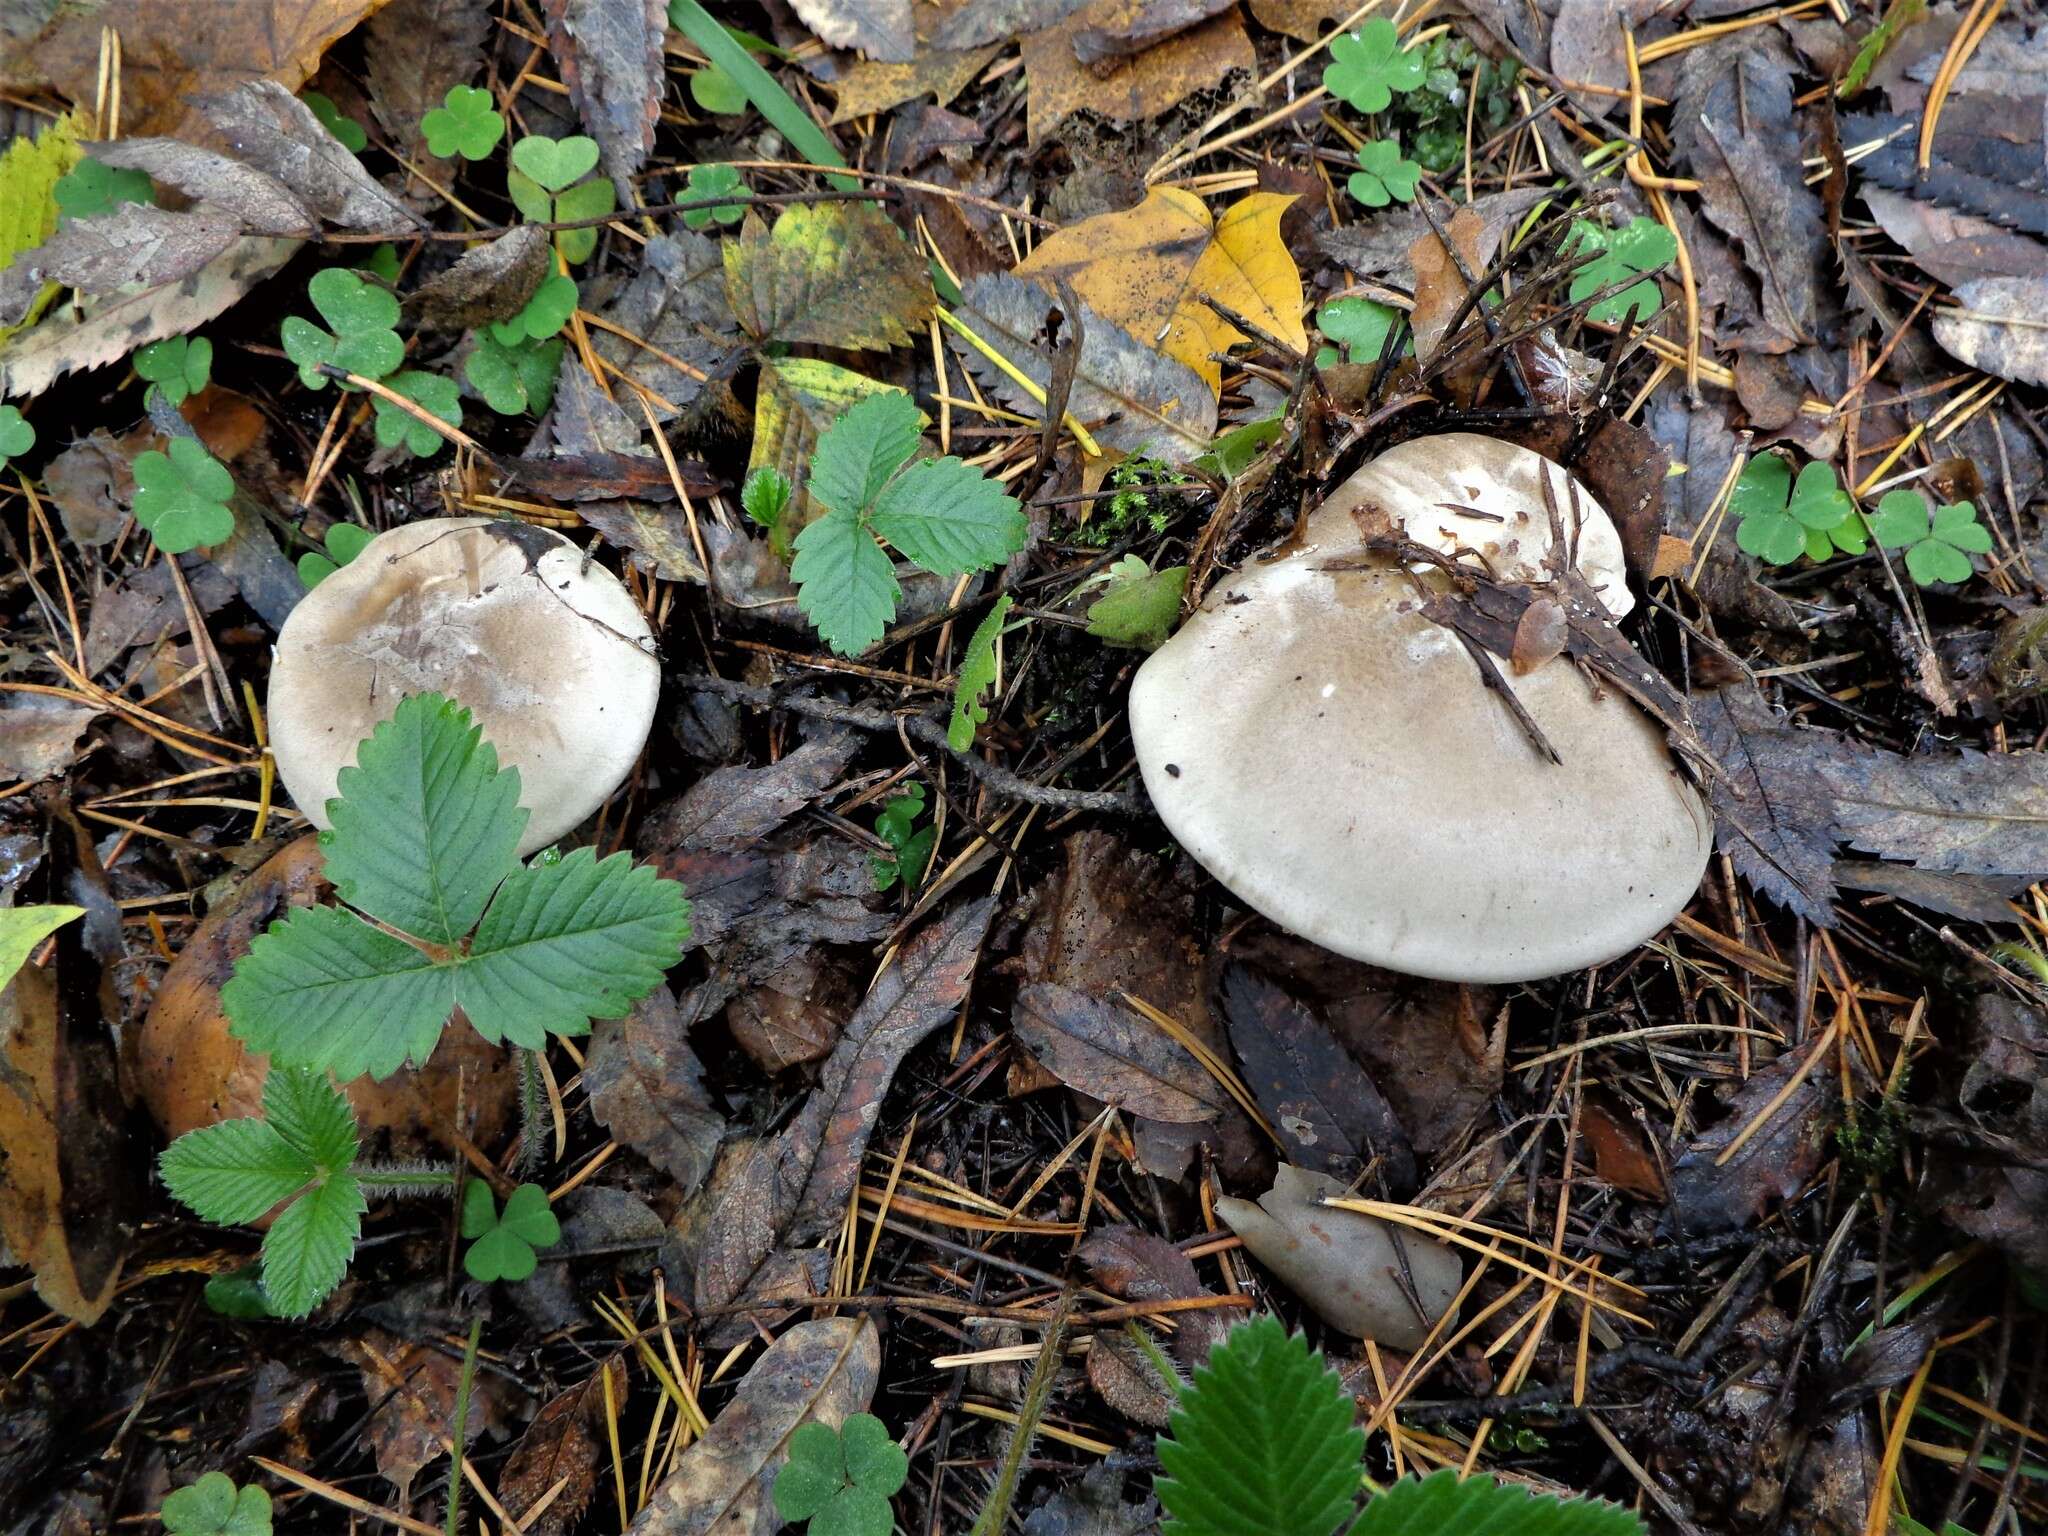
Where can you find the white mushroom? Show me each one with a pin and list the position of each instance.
(547, 651)
(1334, 758)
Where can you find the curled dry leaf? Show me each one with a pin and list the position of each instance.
(260, 202)
(1114, 1054)
(488, 282)
(821, 1372)
(268, 127)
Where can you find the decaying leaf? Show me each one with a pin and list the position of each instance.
(39, 734)
(268, 127)
(1953, 247)
(1998, 327)
(1149, 269)
(412, 1390)
(260, 203)
(676, 302)
(647, 1088)
(1093, 1507)
(820, 1372)
(1200, 59)
(1989, 1177)
(488, 282)
(1987, 159)
(560, 1443)
(1132, 397)
(1141, 1267)
(831, 274)
(880, 29)
(415, 50)
(609, 52)
(1138, 26)
(940, 73)
(135, 244)
(1775, 1160)
(1114, 1054)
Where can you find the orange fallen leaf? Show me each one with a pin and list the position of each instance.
(1198, 59)
(1149, 268)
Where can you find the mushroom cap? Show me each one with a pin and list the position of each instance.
(1458, 489)
(1334, 758)
(546, 650)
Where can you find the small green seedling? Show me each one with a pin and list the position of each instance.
(1383, 176)
(1232, 453)
(23, 928)
(422, 841)
(364, 339)
(841, 1481)
(1453, 72)
(432, 393)
(503, 1243)
(1361, 327)
(181, 498)
(90, 188)
(344, 542)
(346, 130)
(712, 181)
(716, 92)
(16, 435)
(238, 1293)
(977, 676)
(1938, 546)
(546, 184)
(765, 498)
(909, 850)
(516, 380)
(214, 1506)
(1780, 520)
(1264, 1442)
(175, 368)
(1369, 66)
(1641, 247)
(1138, 605)
(381, 263)
(553, 302)
(942, 515)
(466, 124)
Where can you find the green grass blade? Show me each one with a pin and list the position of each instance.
(776, 104)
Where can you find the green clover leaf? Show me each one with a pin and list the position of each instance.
(181, 499)
(16, 435)
(591, 199)
(1361, 327)
(1779, 521)
(176, 367)
(717, 92)
(433, 394)
(841, 1481)
(514, 381)
(345, 129)
(1383, 176)
(553, 302)
(364, 339)
(214, 1506)
(90, 188)
(553, 164)
(504, 1243)
(1938, 546)
(545, 185)
(1368, 66)
(466, 125)
(1642, 247)
(344, 542)
(712, 181)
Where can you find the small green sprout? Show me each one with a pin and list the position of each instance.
(553, 302)
(214, 1506)
(181, 499)
(1361, 327)
(977, 677)
(1641, 247)
(841, 1481)
(345, 129)
(16, 435)
(1780, 520)
(1369, 66)
(546, 184)
(1453, 72)
(175, 368)
(514, 381)
(90, 188)
(364, 339)
(466, 124)
(712, 181)
(1939, 544)
(432, 393)
(717, 92)
(1383, 176)
(1138, 605)
(504, 1242)
(910, 851)
(344, 542)
(765, 498)
(382, 263)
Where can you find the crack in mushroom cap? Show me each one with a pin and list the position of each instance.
(1334, 758)
(547, 651)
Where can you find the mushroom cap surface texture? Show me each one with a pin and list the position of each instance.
(546, 650)
(1334, 758)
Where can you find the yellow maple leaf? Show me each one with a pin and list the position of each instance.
(1148, 269)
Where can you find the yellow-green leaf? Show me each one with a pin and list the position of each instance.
(798, 398)
(29, 173)
(23, 928)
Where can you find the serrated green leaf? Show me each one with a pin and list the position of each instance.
(1140, 605)
(977, 676)
(948, 517)
(235, 1171)
(765, 496)
(845, 583)
(23, 928)
(323, 989)
(313, 1116)
(859, 452)
(1441, 1503)
(562, 944)
(1263, 1441)
(307, 1249)
(427, 824)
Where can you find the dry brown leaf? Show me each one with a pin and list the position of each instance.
(262, 203)
(136, 243)
(1954, 247)
(881, 29)
(271, 129)
(822, 1371)
(939, 73)
(412, 1390)
(1139, 25)
(414, 51)
(2000, 327)
(647, 1088)
(1302, 20)
(1113, 1054)
(39, 734)
(1440, 288)
(171, 50)
(1776, 1158)
(489, 282)
(1197, 60)
(1620, 1156)
(609, 52)
(1149, 268)
(560, 1443)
